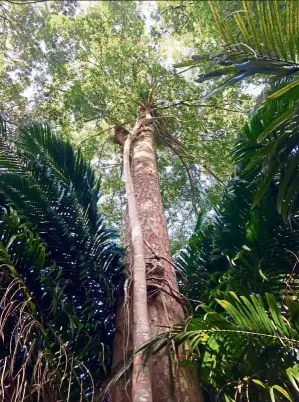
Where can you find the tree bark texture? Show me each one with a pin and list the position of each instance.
(141, 375)
(164, 305)
(122, 343)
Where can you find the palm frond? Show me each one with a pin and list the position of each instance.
(293, 374)
(262, 38)
(237, 347)
(248, 315)
(267, 149)
(252, 251)
(33, 358)
(55, 194)
(58, 159)
(245, 323)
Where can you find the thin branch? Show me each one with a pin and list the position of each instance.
(191, 184)
(180, 295)
(57, 89)
(193, 193)
(187, 103)
(168, 142)
(103, 146)
(105, 166)
(204, 166)
(183, 100)
(234, 12)
(213, 174)
(172, 8)
(248, 47)
(178, 146)
(188, 68)
(95, 135)
(220, 108)
(21, 2)
(178, 298)
(10, 122)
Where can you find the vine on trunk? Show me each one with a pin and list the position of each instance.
(141, 376)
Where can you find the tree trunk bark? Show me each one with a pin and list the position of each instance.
(141, 375)
(164, 306)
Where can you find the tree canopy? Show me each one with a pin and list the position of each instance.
(87, 70)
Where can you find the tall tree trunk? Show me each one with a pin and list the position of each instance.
(164, 306)
(141, 376)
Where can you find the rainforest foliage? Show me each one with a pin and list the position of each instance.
(223, 80)
(86, 71)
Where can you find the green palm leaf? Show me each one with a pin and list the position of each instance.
(244, 338)
(23, 267)
(55, 194)
(245, 251)
(263, 39)
(245, 316)
(268, 149)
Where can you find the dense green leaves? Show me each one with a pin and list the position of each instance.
(31, 343)
(250, 251)
(264, 43)
(72, 283)
(229, 337)
(245, 346)
(87, 70)
(269, 146)
(259, 38)
(237, 351)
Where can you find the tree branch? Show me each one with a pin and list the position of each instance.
(213, 174)
(21, 2)
(193, 193)
(187, 103)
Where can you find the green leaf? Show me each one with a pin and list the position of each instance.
(281, 391)
(276, 316)
(293, 374)
(264, 185)
(283, 90)
(259, 383)
(263, 275)
(246, 247)
(275, 124)
(227, 398)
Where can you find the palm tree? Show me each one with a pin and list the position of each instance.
(60, 270)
